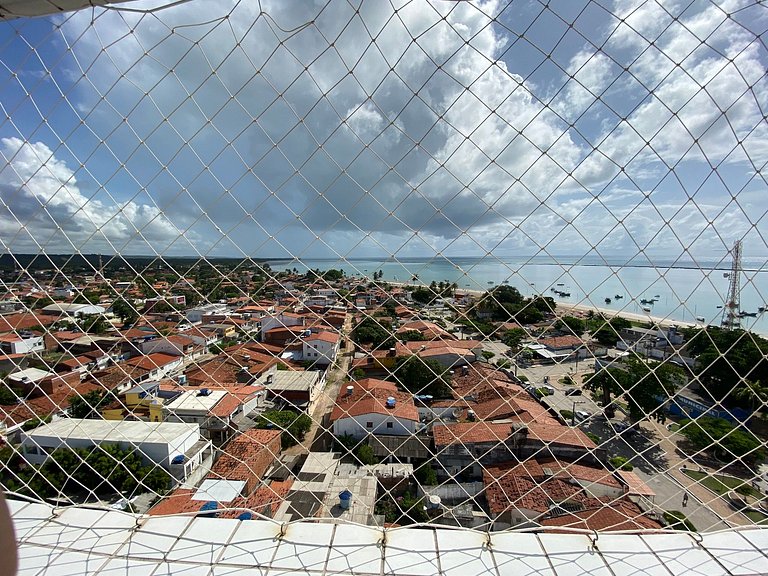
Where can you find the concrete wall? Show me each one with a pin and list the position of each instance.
(357, 428)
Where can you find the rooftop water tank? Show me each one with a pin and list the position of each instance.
(345, 499)
(390, 402)
(434, 502)
(350, 390)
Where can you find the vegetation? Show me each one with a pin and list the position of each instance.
(377, 332)
(721, 484)
(606, 331)
(567, 414)
(88, 405)
(487, 354)
(101, 469)
(644, 384)
(678, 521)
(294, 426)
(723, 439)
(421, 376)
(365, 455)
(403, 510)
(514, 337)
(732, 364)
(9, 395)
(571, 324)
(620, 463)
(594, 437)
(426, 475)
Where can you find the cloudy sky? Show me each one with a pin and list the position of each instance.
(386, 128)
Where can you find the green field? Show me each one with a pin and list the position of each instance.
(723, 484)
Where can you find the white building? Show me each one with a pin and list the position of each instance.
(281, 320)
(372, 406)
(11, 344)
(195, 315)
(321, 348)
(64, 308)
(167, 444)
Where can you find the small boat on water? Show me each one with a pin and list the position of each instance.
(565, 294)
(646, 309)
(744, 314)
(761, 309)
(505, 282)
(700, 319)
(607, 300)
(719, 306)
(618, 297)
(645, 301)
(561, 284)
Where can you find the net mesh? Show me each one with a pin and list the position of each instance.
(493, 265)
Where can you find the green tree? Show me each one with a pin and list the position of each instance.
(86, 405)
(513, 337)
(294, 426)
(125, 311)
(377, 332)
(421, 376)
(575, 325)
(645, 385)
(365, 455)
(723, 439)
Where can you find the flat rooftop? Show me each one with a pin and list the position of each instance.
(291, 381)
(191, 401)
(114, 430)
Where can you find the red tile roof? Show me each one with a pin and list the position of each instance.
(558, 434)
(561, 342)
(226, 406)
(330, 337)
(247, 456)
(470, 433)
(152, 361)
(370, 397)
(611, 516)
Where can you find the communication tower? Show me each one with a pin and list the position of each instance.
(731, 313)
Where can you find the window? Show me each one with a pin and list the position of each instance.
(390, 425)
(369, 424)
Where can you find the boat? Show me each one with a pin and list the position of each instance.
(505, 282)
(700, 319)
(565, 294)
(645, 301)
(618, 297)
(747, 314)
(657, 296)
(720, 306)
(561, 284)
(607, 300)
(761, 309)
(646, 309)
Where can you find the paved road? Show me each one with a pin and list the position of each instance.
(318, 438)
(651, 449)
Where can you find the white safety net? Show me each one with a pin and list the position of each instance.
(496, 265)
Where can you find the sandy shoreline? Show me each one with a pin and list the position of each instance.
(585, 308)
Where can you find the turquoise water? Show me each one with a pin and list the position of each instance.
(685, 290)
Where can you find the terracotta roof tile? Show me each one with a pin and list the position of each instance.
(370, 397)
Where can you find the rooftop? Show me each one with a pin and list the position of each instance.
(77, 540)
(114, 430)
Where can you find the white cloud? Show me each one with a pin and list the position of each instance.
(41, 197)
(234, 124)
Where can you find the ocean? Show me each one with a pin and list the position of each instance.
(684, 290)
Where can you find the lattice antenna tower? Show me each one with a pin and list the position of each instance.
(731, 318)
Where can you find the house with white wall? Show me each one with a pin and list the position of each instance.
(321, 347)
(371, 406)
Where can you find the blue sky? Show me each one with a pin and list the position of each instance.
(399, 129)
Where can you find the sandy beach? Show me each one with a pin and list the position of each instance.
(565, 308)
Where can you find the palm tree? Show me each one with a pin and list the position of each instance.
(752, 392)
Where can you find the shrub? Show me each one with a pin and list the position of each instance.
(621, 463)
(678, 521)
(365, 455)
(567, 414)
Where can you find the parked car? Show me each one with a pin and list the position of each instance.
(583, 415)
(573, 392)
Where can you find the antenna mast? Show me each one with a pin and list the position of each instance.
(731, 317)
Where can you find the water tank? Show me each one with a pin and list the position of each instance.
(245, 516)
(345, 499)
(470, 415)
(434, 502)
(204, 392)
(350, 390)
(390, 402)
(182, 379)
